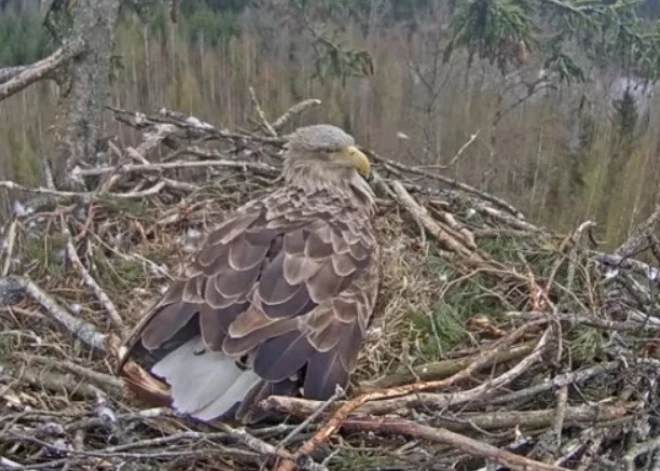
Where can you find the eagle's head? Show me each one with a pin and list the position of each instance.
(325, 152)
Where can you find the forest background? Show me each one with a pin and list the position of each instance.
(565, 134)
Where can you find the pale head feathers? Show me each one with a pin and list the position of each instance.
(324, 157)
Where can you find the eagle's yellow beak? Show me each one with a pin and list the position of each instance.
(353, 156)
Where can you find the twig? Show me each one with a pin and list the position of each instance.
(565, 379)
(560, 415)
(637, 450)
(455, 158)
(6, 463)
(441, 369)
(622, 263)
(57, 382)
(448, 181)
(269, 450)
(435, 401)
(9, 252)
(79, 328)
(262, 116)
(84, 195)
(89, 280)
(339, 392)
(455, 440)
(576, 237)
(421, 213)
(105, 380)
(470, 421)
(256, 167)
(591, 321)
(296, 109)
(190, 126)
(338, 418)
(639, 237)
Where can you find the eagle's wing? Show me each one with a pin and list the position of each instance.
(285, 283)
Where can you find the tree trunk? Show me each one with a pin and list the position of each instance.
(84, 87)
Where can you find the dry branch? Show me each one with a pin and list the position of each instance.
(82, 195)
(101, 379)
(440, 369)
(89, 280)
(262, 116)
(77, 327)
(639, 239)
(448, 181)
(344, 411)
(559, 381)
(449, 242)
(26, 76)
(256, 167)
(455, 440)
(296, 109)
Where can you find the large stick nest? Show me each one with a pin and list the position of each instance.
(494, 342)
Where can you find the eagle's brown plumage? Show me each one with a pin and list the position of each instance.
(279, 296)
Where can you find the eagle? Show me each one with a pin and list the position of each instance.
(278, 298)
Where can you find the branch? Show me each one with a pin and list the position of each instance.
(41, 69)
(293, 111)
(89, 280)
(574, 377)
(455, 440)
(638, 240)
(8, 73)
(79, 328)
(431, 225)
(344, 411)
(262, 116)
(455, 158)
(269, 450)
(448, 181)
(83, 195)
(256, 167)
(444, 368)
(101, 379)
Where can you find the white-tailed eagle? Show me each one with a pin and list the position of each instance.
(278, 298)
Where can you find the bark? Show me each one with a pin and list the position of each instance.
(84, 88)
(15, 79)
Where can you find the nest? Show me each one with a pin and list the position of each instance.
(494, 342)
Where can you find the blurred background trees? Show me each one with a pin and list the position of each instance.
(560, 91)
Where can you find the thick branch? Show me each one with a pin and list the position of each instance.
(9, 73)
(28, 75)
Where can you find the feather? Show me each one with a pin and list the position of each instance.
(214, 323)
(242, 345)
(324, 284)
(197, 376)
(285, 286)
(244, 255)
(324, 372)
(167, 322)
(280, 357)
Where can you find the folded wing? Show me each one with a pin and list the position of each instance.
(278, 297)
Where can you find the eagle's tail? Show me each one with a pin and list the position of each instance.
(204, 384)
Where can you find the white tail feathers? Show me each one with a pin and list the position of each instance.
(204, 385)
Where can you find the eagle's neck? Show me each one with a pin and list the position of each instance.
(344, 182)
